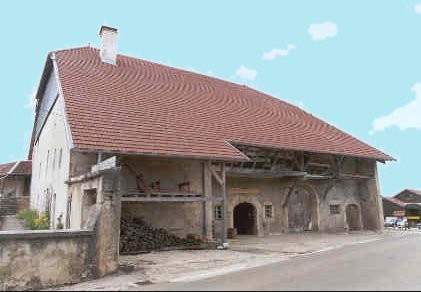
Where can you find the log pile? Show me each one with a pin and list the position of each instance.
(137, 236)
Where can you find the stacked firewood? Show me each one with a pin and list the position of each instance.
(137, 235)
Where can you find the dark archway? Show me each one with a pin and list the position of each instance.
(353, 217)
(245, 219)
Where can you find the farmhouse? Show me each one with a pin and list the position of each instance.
(189, 153)
(15, 180)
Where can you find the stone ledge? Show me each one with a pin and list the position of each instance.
(44, 234)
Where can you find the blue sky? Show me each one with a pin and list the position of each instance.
(354, 64)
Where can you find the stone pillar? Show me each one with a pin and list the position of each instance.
(377, 193)
(108, 225)
(371, 203)
(207, 204)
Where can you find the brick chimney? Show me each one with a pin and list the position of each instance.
(108, 51)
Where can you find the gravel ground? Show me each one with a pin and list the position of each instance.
(244, 252)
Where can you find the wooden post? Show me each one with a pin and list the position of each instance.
(221, 179)
(207, 204)
(225, 206)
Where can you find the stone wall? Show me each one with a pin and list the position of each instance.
(177, 218)
(34, 260)
(23, 203)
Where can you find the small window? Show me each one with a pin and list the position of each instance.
(335, 209)
(218, 212)
(268, 211)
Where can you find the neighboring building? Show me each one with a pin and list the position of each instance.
(393, 207)
(191, 153)
(406, 203)
(409, 196)
(15, 180)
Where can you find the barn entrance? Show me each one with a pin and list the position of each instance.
(245, 219)
(302, 211)
(353, 217)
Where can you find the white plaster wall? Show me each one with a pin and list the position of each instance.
(49, 172)
(78, 191)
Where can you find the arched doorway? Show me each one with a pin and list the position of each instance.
(353, 218)
(245, 219)
(302, 211)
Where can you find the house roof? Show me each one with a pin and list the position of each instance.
(416, 192)
(142, 107)
(23, 167)
(396, 201)
(5, 168)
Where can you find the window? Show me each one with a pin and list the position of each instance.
(268, 211)
(218, 212)
(335, 209)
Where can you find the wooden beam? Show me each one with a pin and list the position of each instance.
(140, 183)
(263, 173)
(216, 176)
(225, 206)
(291, 189)
(329, 186)
(162, 199)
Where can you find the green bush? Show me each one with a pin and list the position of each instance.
(34, 221)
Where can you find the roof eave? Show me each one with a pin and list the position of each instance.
(161, 155)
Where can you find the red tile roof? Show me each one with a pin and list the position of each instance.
(144, 107)
(23, 168)
(417, 192)
(5, 168)
(395, 201)
(16, 168)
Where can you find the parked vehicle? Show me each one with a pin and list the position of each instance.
(418, 225)
(402, 223)
(390, 222)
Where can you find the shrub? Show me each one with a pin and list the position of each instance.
(34, 221)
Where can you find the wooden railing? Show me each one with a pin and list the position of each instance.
(160, 196)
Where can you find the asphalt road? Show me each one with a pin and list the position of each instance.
(389, 264)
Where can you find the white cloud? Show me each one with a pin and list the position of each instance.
(322, 31)
(404, 117)
(31, 102)
(269, 56)
(246, 73)
(418, 8)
